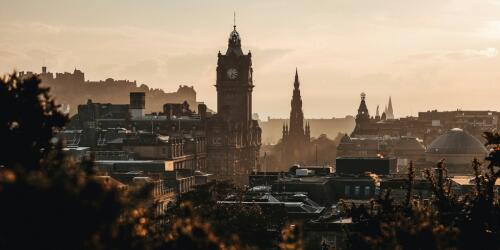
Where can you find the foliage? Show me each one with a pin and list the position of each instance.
(237, 224)
(450, 221)
(28, 119)
(49, 202)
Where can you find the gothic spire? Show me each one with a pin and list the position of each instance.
(390, 112)
(296, 114)
(296, 83)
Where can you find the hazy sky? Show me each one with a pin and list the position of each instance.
(426, 54)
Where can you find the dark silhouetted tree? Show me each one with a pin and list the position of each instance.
(49, 202)
(29, 117)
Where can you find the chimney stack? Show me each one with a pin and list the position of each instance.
(137, 105)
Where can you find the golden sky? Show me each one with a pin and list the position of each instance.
(426, 54)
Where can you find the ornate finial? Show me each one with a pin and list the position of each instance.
(363, 95)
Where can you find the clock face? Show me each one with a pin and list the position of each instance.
(232, 73)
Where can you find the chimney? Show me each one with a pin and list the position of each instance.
(137, 105)
(202, 110)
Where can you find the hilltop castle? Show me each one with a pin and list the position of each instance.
(71, 90)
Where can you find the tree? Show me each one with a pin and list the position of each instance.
(237, 224)
(49, 202)
(29, 117)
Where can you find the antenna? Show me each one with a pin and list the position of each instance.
(234, 19)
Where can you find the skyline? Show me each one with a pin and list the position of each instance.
(425, 55)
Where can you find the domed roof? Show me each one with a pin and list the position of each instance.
(456, 141)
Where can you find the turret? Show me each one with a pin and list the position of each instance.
(308, 131)
(284, 130)
(363, 117)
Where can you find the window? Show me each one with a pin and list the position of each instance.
(356, 190)
(367, 191)
(347, 190)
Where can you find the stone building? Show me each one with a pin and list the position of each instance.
(72, 89)
(427, 126)
(234, 138)
(458, 148)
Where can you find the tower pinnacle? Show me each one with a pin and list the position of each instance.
(296, 83)
(390, 111)
(234, 42)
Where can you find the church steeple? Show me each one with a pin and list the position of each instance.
(390, 111)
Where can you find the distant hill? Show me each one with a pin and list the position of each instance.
(71, 90)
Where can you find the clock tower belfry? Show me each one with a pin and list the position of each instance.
(234, 82)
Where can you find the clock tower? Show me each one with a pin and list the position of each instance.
(234, 82)
(234, 138)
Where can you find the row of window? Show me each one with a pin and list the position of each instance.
(359, 191)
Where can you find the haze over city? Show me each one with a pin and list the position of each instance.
(271, 124)
(425, 54)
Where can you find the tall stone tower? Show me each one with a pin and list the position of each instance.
(296, 137)
(234, 82)
(234, 138)
(296, 114)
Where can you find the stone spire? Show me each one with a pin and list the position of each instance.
(390, 112)
(284, 130)
(308, 131)
(296, 114)
(296, 83)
